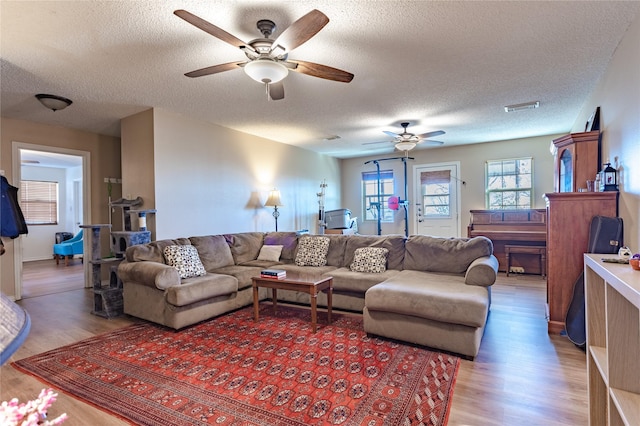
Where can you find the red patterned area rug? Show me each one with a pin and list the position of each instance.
(233, 371)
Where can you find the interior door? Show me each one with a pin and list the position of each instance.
(437, 199)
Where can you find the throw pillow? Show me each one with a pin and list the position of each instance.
(312, 251)
(370, 259)
(271, 253)
(185, 259)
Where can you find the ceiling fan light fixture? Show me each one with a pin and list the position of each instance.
(405, 145)
(266, 71)
(53, 102)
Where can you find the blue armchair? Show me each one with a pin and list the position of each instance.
(68, 248)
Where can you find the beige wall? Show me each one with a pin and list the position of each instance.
(205, 174)
(105, 162)
(472, 160)
(138, 179)
(618, 96)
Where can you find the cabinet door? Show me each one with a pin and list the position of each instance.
(565, 166)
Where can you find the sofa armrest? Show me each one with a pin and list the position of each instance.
(153, 274)
(482, 272)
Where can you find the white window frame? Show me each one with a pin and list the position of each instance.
(39, 201)
(370, 181)
(509, 183)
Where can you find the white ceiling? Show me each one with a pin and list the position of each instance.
(450, 65)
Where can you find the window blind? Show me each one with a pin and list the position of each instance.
(39, 202)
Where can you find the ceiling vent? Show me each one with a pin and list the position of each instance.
(521, 107)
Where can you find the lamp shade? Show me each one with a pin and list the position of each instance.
(266, 70)
(274, 199)
(53, 102)
(405, 145)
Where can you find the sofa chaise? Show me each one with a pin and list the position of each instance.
(425, 290)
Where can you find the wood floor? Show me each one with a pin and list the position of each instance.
(42, 277)
(522, 376)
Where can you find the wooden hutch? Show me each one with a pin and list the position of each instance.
(569, 215)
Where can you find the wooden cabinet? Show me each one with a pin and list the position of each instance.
(577, 160)
(612, 296)
(569, 216)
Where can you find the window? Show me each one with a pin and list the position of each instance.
(370, 195)
(39, 202)
(509, 184)
(436, 193)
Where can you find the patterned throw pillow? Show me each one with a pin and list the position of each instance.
(312, 251)
(185, 259)
(270, 252)
(370, 259)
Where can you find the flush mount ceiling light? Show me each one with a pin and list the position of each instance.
(405, 145)
(53, 102)
(266, 71)
(521, 107)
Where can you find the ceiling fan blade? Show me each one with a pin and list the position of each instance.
(426, 142)
(209, 28)
(215, 69)
(276, 91)
(431, 134)
(376, 143)
(322, 71)
(302, 30)
(393, 135)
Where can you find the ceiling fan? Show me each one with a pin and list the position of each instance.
(268, 61)
(406, 141)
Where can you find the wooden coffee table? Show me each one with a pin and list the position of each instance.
(297, 283)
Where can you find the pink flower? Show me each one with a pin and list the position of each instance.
(32, 413)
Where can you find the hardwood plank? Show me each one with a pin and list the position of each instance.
(522, 375)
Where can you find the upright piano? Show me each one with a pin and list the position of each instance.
(525, 227)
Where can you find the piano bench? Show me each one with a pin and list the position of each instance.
(541, 251)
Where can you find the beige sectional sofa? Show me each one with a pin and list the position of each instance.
(433, 291)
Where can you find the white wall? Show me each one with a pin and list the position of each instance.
(618, 96)
(205, 175)
(38, 243)
(472, 169)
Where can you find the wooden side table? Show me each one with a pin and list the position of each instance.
(295, 283)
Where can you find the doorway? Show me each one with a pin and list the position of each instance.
(70, 169)
(437, 195)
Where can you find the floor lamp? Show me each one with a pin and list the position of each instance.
(274, 201)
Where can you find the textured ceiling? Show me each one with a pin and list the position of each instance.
(440, 65)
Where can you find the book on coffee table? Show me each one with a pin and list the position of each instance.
(273, 273)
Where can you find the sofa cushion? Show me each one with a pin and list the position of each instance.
(153, 251)
(370, 259)
(288, 241)
(201, 288)
(270, 252)
(337, 245)
(185, 259)
(451, 255)
(245, 246)
(306, 272)
(393, 243)
(347, 281)
(242, 273)
(213, 250)
(312, 251)
(440, 297)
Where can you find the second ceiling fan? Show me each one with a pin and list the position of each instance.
(268, 61)
(406, 141)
